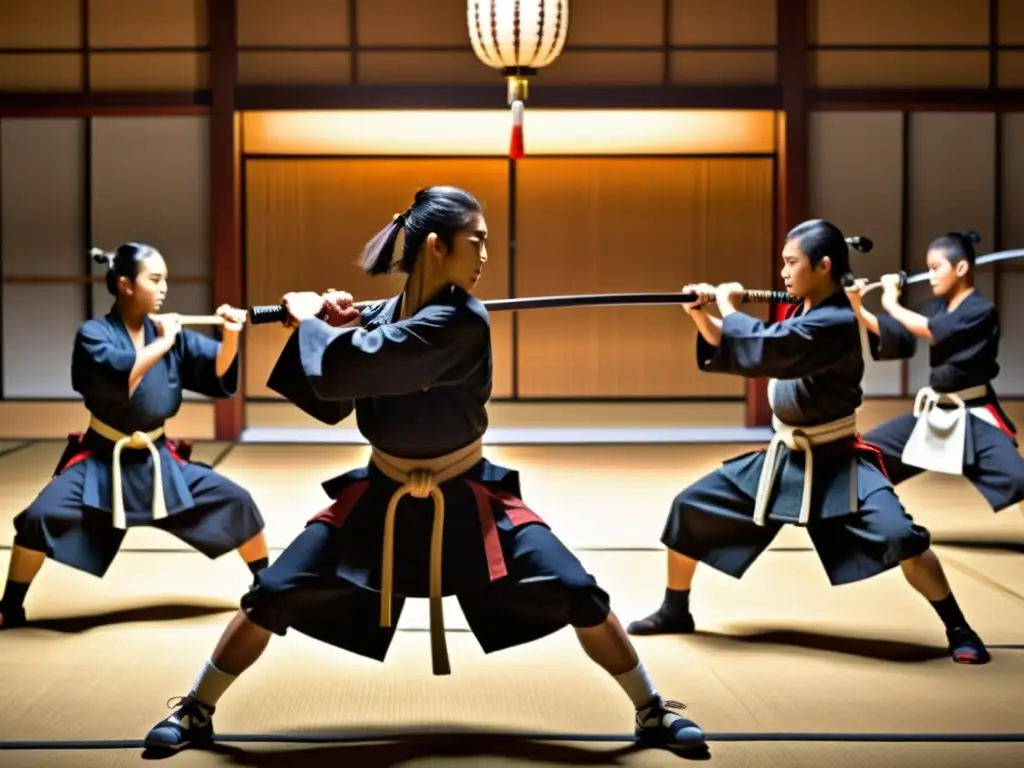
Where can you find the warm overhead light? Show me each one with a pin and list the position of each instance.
(518, 37)
(465, 133)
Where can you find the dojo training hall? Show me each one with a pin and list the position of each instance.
(259, 144)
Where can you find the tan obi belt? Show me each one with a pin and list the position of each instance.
(939, 437)
(136, 440)
(421, 478)
(801, 439)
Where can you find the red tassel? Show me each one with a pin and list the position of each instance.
(516, 149)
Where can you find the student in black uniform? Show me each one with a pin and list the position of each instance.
(417, 371)
(123, 471)
(958, 426)
(816, 472)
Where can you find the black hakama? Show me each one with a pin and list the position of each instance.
(71, 519)
(857, 524)
(963, 354)
(419, 389)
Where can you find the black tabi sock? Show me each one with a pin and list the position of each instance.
(677, 602)
(14, 594)
(949, 612)
(258, 565)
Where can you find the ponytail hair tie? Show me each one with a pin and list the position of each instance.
(102, 257)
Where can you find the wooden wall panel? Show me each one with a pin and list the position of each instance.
(603, 68)
(903, 22)
(170, 211)
(40, 24)
(1011, 69)
(951, 187)
(294, 68)
(952, 179)
(608, 22)
(724, 22)
(905, 44)
(40, 72)
(42, 211)
(623, 225)
(724, 67)
(37, 345)
(52, 420)
(424, 67)
(608, 43)
(159, 24)
(856, 181)
(1011, 22)
(401, 23)
(443, 23)
(1010, 381)
(295, 23)
(42, 199)
(308, 220)
(178, 71)
(899, 69)
(167, 206)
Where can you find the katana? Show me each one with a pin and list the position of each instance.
(264, 314)
(261, 315)
(920, 277)
(276, 314)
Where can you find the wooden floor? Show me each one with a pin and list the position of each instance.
(779, 652)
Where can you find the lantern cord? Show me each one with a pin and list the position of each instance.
(516, 150)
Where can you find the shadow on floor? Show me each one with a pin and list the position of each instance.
(990, 544)
(147, 614)
(881, 650)
(478, 744)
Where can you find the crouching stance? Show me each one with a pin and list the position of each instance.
(816, 472)
(123, 471)
(429, 516)
(958, 426)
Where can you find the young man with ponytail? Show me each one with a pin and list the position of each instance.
(429, 515)
(816, 472)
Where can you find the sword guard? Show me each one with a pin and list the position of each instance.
(903, 278)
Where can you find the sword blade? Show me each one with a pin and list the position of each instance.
(991, 258)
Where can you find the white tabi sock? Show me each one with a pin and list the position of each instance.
(638, 686)
(211, 685)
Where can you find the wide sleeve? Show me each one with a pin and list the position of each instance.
(892, 342)
(971, 320)
(439, 345)
(288, 380)
(197, 366)
(100, 366)
(791, 349)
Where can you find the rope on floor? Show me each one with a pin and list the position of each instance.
(399, 735)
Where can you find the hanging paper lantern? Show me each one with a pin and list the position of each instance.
(519, 37)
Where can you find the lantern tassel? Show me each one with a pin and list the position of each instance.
(516, 150)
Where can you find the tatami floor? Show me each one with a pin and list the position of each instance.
(786, 671)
